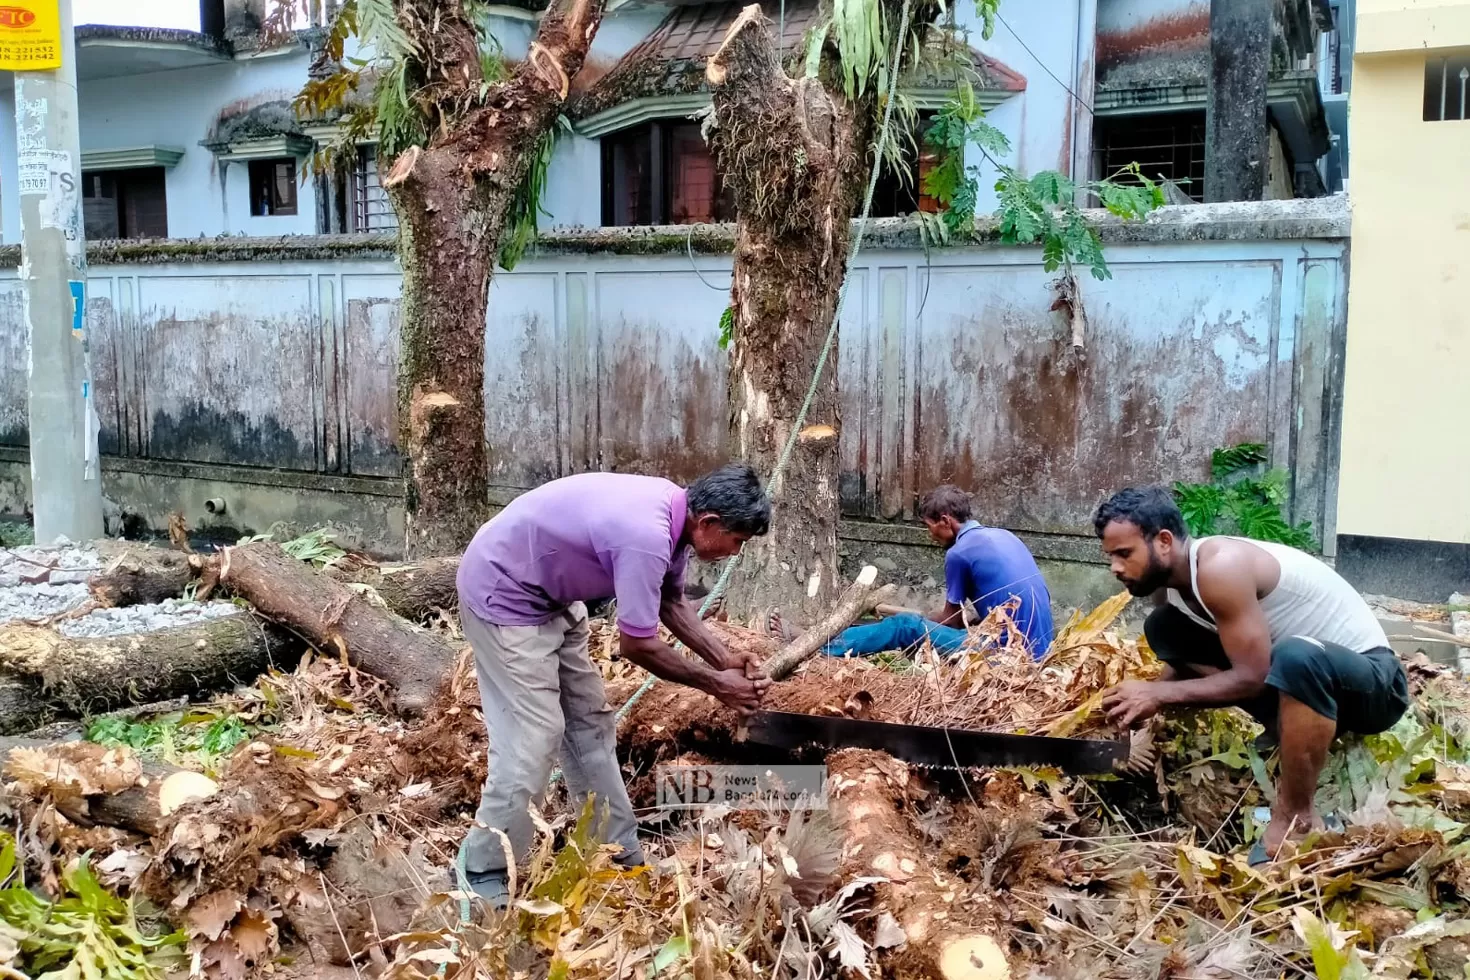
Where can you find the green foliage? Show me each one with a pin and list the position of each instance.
(1241, 501)
(14, 534)
(317, 547)
(85, 933)
(860, 30)
(727, 327)
(1039, 209)
(986, 10)
(199, 736)
(520, 223)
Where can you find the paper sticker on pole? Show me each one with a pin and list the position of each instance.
(30, 35)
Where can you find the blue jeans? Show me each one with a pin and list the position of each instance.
(900, 632)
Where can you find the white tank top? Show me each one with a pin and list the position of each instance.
(1310, 600)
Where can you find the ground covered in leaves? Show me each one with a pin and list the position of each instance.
(327, 841)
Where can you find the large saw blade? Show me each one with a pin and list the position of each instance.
(946, 747)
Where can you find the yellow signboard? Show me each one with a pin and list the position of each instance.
(30, 35)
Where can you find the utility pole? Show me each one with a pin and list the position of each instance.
(66, 471)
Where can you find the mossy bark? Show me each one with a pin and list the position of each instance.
(43, 673)
(792, 152)
(414, 662)
(453, 197)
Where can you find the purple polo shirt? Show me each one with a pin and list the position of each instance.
(580, 538)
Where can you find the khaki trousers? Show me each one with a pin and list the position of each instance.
(541, 693)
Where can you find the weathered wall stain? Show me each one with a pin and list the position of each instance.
(522, 362)
(1185, 28)
(207, 433)
(1004, 406)
(611, 362)
(229, 374)
(107, 348)
(370, 387)
(663, 400)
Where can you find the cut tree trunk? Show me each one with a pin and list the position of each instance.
(414, 662)
(413, 590)
(79, 676)
(944, 938)
(449, 231)
(790, 151)
(143, 575)
(93, 784)
(453, 198)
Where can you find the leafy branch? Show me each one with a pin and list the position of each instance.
(378, 100)
(1039, 209)
(86, 932)
(1241, 500)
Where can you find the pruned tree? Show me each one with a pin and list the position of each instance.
(797, 151)
(463, 142)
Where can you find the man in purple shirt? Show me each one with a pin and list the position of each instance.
(523, 585)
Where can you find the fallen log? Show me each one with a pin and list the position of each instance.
(941, 937)
(43, 671)
(858, 598)
(333, 617)
(144, 574)
(93, 784)
(414, 590)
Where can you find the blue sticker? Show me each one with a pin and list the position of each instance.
(86, 389)
(78, 307)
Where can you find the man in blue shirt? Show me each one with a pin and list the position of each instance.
(987, 566)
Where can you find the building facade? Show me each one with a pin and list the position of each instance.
(191, 133)
(1405, 496)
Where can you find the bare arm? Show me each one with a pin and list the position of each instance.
(1227, 587)
(683, 621)
(731, 686)
(951, 615)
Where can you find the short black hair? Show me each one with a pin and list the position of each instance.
(734, 494)
(946, 501)
(1150, 509)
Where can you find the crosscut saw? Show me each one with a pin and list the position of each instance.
(950, 748)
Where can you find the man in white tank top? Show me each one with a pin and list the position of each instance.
(1256, 625)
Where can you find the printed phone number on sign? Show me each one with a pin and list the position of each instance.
(28, 52)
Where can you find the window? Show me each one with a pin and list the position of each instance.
(662, 173)
(1445, 81)
(371, 209)
(124, 204)
(1170, 145)
(897, 195)
(272, 187)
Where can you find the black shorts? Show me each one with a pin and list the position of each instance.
(1364, 693)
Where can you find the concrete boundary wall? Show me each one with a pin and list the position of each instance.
(262, 372)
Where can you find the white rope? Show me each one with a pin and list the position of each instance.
(811, 391)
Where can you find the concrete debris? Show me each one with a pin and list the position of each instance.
(27, 602)
(38, 584)
(145, 619)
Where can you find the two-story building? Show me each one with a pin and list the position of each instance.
(190, 132)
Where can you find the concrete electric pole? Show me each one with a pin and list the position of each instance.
(66, 471)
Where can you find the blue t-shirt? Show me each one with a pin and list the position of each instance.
(989, 565)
